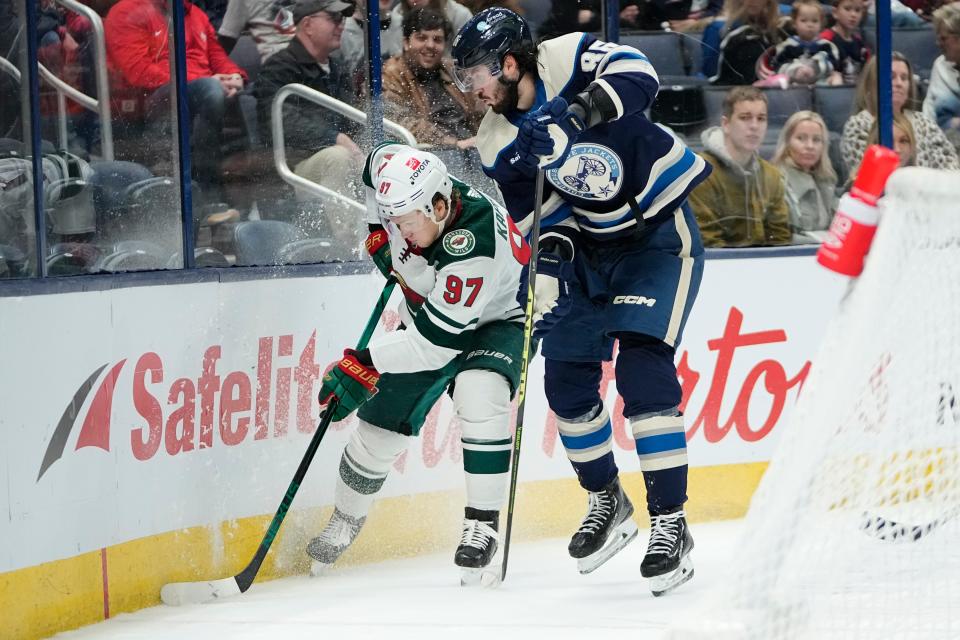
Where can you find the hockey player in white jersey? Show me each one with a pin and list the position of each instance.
(620, 258)
(458, 260)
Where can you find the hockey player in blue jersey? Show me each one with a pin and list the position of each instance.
(620, 259)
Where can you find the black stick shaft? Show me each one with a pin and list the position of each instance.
(524, 369)
(246, 577)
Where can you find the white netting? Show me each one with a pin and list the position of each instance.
(874, 442)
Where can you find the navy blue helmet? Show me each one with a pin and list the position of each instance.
(479, 48)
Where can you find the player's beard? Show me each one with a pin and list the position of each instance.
(511, 96)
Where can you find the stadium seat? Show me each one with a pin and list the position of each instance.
(783, 103)
(679, 107)
(836, 159)
(13, 262)
(135, 255)
(308, 251)
(110, 181)
(662, 48)
(919, 46)
(246, 55)
(203, 257)
(259, 242)
(713, 100)
(73, 258)
(835, 104)
(693, 50)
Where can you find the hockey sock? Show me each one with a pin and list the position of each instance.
(588, 442)
(482, 402)
(662, 449)
(364, 467)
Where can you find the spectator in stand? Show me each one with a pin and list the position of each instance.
(698, 17)
(733, 44)
(318, 140)
(904, 143)
(933, 150)
(420, 93)
(942, 103)
(584, 15)
(845, 34)
(901, 16)
(811, 181)
(392, 41)
(742, 203)
(904, 139)
(924, 8)
(353, 44)
(138, 47)
(269, 22)
(805, 58)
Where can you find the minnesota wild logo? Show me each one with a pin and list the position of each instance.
(459, 242)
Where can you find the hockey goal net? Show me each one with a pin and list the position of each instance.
(854, 531)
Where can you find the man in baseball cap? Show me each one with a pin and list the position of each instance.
(319, 142)
(336, 8)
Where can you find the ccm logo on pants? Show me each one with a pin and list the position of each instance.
(635, 300)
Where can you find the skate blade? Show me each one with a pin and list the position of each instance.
(487, 577)
(624, 534)
(318, 568)
(659, 585)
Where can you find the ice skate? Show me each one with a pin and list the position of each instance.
(339, 534)
(606, 529)
(478, 544)
(667, 563)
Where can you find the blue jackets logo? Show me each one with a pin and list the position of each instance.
(591, 172)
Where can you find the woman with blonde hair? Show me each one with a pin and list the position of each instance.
(932, 148)
(904, 139)
(811, 181)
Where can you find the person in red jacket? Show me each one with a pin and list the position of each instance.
(138, 47)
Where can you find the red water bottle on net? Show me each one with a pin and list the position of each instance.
(855, 222)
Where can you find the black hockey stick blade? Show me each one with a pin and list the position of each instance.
(894, 531)
(179, 593)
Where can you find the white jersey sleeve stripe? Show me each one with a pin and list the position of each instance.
(625, 60)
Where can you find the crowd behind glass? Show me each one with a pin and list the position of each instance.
(779, 98)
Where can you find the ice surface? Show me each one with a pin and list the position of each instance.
(420, 598)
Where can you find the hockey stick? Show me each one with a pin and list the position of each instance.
(524, 368)
(893, 531)
(177, 593)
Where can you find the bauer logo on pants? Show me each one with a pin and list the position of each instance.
(459, 242)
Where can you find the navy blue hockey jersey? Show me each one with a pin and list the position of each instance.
(615, 170)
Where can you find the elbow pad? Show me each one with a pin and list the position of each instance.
(594, 106)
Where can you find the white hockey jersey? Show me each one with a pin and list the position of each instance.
(468, 278)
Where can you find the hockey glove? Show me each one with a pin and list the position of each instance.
(349, 381)
(533, 141)
(378, 246)
(563, 125)
(551, 299)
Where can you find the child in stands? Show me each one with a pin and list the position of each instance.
(845, 34)
(805, 57)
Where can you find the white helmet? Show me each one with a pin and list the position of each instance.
(408, 180)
